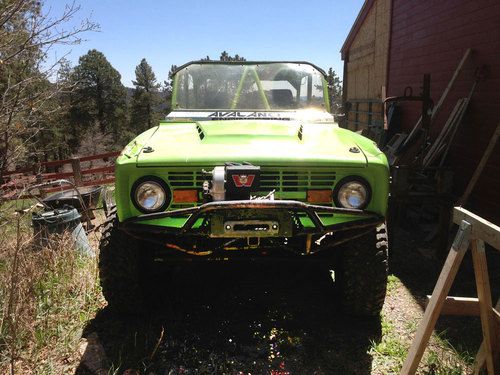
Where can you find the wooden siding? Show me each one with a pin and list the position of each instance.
(431, 37)
(367, 56)
(366, 66)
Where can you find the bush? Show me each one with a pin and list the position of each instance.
(46, 298)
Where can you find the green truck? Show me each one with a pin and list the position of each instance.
(250, 164)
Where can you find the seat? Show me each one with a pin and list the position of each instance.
(282, 98)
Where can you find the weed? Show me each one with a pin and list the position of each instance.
(411, 326)
(386, 326)
(389, 353)
(437, 365)
(48, 295)
(392, 283)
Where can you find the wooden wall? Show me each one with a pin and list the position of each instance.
(366, 66)
(431, 37)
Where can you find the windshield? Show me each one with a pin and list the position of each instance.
(262, 86)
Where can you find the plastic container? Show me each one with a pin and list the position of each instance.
(90, 196)
(49, 223)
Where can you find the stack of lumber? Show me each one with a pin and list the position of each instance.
(402, 141)
(444, 139)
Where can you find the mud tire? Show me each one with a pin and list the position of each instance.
(122, 266)
(362, 273)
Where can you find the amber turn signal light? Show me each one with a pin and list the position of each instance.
(319, 196)
(185, 196)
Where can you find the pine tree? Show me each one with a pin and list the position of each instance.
(146, 98)
(169, 83)
(334, 90)
(29, 95)
(224, 56)
(53, 139)
(99, 101)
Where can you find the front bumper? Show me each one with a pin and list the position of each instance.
(285, 213)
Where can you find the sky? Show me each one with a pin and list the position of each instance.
(175, 32)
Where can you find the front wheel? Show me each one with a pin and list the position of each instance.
(122, 269)
(361, 273)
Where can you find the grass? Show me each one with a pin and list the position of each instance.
(390, 353)
(46, 298)
(441, 358)
(453, 362)
(393, 283)
(436, 365)
(411, 326)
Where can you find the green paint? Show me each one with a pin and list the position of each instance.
(236, 99)
(262, 94)
(317, 161)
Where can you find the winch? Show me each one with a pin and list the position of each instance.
(232, 181)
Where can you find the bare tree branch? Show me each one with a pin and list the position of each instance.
(30, 86)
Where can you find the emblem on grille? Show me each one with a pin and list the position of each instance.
(243, 180)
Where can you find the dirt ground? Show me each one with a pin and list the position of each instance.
(285, 319)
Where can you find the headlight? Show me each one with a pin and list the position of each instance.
(150, 194)
(352, 193)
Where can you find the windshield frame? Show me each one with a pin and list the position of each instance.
(174, 102)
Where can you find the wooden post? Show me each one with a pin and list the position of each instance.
(481, 228)
(480, 166)
(460, 306)
(77, 171)
(478, 230)
(437, 107)
(384, 108)
(443, 285)
(485, 304)
(39, 180)
(480, 359)
(445, 187)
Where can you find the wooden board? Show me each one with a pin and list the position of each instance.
(480, 166)
(451, 122)
(481, 228)
(474, 230)
(461, 306)
(433, 310)
(444, 95)
(485, 305)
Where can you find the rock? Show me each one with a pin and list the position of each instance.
(93, 356)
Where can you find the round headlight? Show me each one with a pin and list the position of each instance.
(150, 195)
(352, 194)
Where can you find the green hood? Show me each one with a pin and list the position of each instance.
(259, 142)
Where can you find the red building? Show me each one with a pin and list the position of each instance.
(394, 42)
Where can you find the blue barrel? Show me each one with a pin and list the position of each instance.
(48, 223)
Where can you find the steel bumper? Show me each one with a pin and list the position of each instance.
(366, 219)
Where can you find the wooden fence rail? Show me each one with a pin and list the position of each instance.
(56, 163)
(474, 232)
(18, 180)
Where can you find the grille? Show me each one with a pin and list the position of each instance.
(295, 181)
(186, 180)
(284, 180)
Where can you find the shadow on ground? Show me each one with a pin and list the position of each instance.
(414, 262)
(244, 319)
